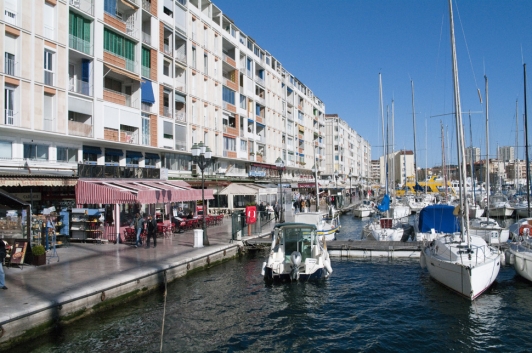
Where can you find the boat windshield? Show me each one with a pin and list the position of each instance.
(299, 239)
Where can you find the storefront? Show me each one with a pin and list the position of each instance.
(14, 227)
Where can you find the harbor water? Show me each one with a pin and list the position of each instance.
(376, 305)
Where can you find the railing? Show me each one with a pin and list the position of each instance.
(180, 84)
(79, 44)
(180, 145)
(146, 5)
(83, 5)
(119, 98)
(146, 38)
(112, 171)
(180, 56)
(167, 49)
(131, 137)
(259, 80)
(131, 65)
(10, 67)
(78, 86)
(48, 78)
(10, 118)
(180, 116)
(167, 111)
(145, 71)
(261, 100)
(145, 107)
(79, 129)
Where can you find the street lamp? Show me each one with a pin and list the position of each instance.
(315, 171)
(335, 188)
(201, 155)
(280, 168)
(350, 189)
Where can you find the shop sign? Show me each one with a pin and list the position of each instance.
(306, 185)
(27, 196)
(164, 173)
(256, 173)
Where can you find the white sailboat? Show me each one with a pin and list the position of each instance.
(460, 261)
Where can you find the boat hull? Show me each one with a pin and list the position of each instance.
(523, 260)
(360, 213)
(501, 212)
(319, 274)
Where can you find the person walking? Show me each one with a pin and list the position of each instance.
(152, 231)
(3, 254)
(296, 206)
(139, 227)
(276, 210)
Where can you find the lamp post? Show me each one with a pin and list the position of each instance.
(315, 171)
(280, 168)
(335, 188)
(350, 189)
(201, 155)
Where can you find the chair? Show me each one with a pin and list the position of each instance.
(130, 235)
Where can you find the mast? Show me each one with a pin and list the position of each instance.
(384, 142)
(471, 160)
(516, 155)
(444, 172)
(464, 209)
(526, 149)
(393, 148)
(414, 124)
(488, 189)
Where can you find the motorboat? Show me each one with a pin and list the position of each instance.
(364, 209)
(327, 223)
(296, 254)
(499, 206)
(489, 230)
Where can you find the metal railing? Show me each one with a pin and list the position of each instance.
(78, 86)
(146, 5)
(167, 111)
(112, 171)
(48, 78)
(146, 38)
(180, 116)
(10, 117)
(131, 65)
(259, 80)
(145, 71)
(180, 56)
(83, 5)
(167, 49)
(79, 129)
(79, 44)
(131, 137)
(10, 66)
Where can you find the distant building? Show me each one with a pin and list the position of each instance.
(473, 152)
(400, 167)
(506, 153)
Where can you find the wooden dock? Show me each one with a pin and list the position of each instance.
(358, 249)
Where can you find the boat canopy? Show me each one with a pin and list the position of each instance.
(440, 218)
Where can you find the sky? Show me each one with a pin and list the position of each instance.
(337, 48)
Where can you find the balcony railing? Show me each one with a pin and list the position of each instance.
(48, 78)
(145, 107)
(146, 5)
(78, 86)
(119, 98)
(167, 49)
(83, 5)
(111, 171)
(130, 137)
(180, 116)
(180, 56)
(10, 117)
(145, 71)
(10, 67)
(146, 38)
(167, 111)
(79, 44)
(131, 65)
(259, 80)
(79, 129)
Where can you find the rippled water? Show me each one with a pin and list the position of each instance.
(366, 305)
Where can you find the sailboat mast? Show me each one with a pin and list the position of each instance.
(526, 149)
(464, 209)
(384, 141)
(488, 189)
(414, 125)
(516, 154)
(444, 172)
(471, 159)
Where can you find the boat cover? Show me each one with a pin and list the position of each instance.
(385, 203)
(440, 218)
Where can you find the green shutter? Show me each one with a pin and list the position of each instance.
(146, 60)
(129, 50)
(71, 24)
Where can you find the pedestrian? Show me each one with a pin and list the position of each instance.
(3, 254)
(152, 231)
(303, 205)
(139, 227)
(270, 210)
(276, 211)
(296, 205)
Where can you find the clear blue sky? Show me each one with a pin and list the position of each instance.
(338, 49)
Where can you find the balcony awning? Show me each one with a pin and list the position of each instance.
(152, 155)
(147, 92)
(179, 98)
(144, 191)
(121, 71)
(133, 154)
(92, 150)
(113, 152)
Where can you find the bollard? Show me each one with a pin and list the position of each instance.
(198, 238)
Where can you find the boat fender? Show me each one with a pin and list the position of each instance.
(423, 261)
(327, 265)
(503, 257)
(519, 263)
(512, 259)
(263, 272)
(525, 229)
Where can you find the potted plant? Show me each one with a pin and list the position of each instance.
(39, 255)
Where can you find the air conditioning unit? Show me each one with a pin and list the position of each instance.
(195, 170)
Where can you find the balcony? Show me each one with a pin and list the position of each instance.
(83, 5)
(146, 38)
(229, 60)
(11, 118)
(79, 129)
(79, 44)
(260, 81)
(145, 107)
(119, 98)
(10, 67)
(111, 171)
(146, 5)
(181, 117)
(167, 112)
(78, 86)
(145, 71)
(131, 137)
(48, 78)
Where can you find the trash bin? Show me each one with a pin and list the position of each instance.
(198, 238)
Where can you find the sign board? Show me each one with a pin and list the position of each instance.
(18, 252)
(164, 173)
(255, 173)
(28, 196)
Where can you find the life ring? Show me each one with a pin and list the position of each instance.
(525, 228)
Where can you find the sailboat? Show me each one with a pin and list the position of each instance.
(460, 261)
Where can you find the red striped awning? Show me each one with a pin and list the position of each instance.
(143, 191)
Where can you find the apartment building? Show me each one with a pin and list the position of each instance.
(506, 153)
(399, 167)
(346, 152)
(472, 152)
(135, 83)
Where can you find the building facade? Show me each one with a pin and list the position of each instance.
(346, 152)
(398, 168)
(506, 153)
(133, 84)
(472, 152)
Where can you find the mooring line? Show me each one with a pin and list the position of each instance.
(164, 312)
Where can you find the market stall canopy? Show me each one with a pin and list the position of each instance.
(6, 199)
(37, 180)
(112, 191)
(240, 189)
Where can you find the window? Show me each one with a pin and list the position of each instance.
(6, 149)
(9, 105)
(49, 20)
(229, 144)
(256, 50)
(65, 154)
(168, 10)
(168, 130)
(79, 30)
(146, 61)
(112, 84)
(10, 11)
(133, 159)
(228, 95)
(48, 112)
(166, 68)
(10, 51)
(193, 57)
(48, 67)
(243, 145)
(242, 102)
(250, 45)
(145, 129)
(205, 64)
(150, 161)
(35, 151)
(120, 46)
(109, 6)
(112, 159)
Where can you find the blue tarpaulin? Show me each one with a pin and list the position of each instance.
(385, 204)
(440, 218)
(147, 92)
(418, 187)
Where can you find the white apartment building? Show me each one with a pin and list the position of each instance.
(506, 153)
(135, 83)
(472, 152)
(399, 168)
(346, 152)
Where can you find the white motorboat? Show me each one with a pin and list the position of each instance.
(364, 209)
(461, 261)
(499, 206)
(521, 257)
(489, 230)
(327, 224)
(296, 254)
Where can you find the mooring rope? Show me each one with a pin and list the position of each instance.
(164, 312)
